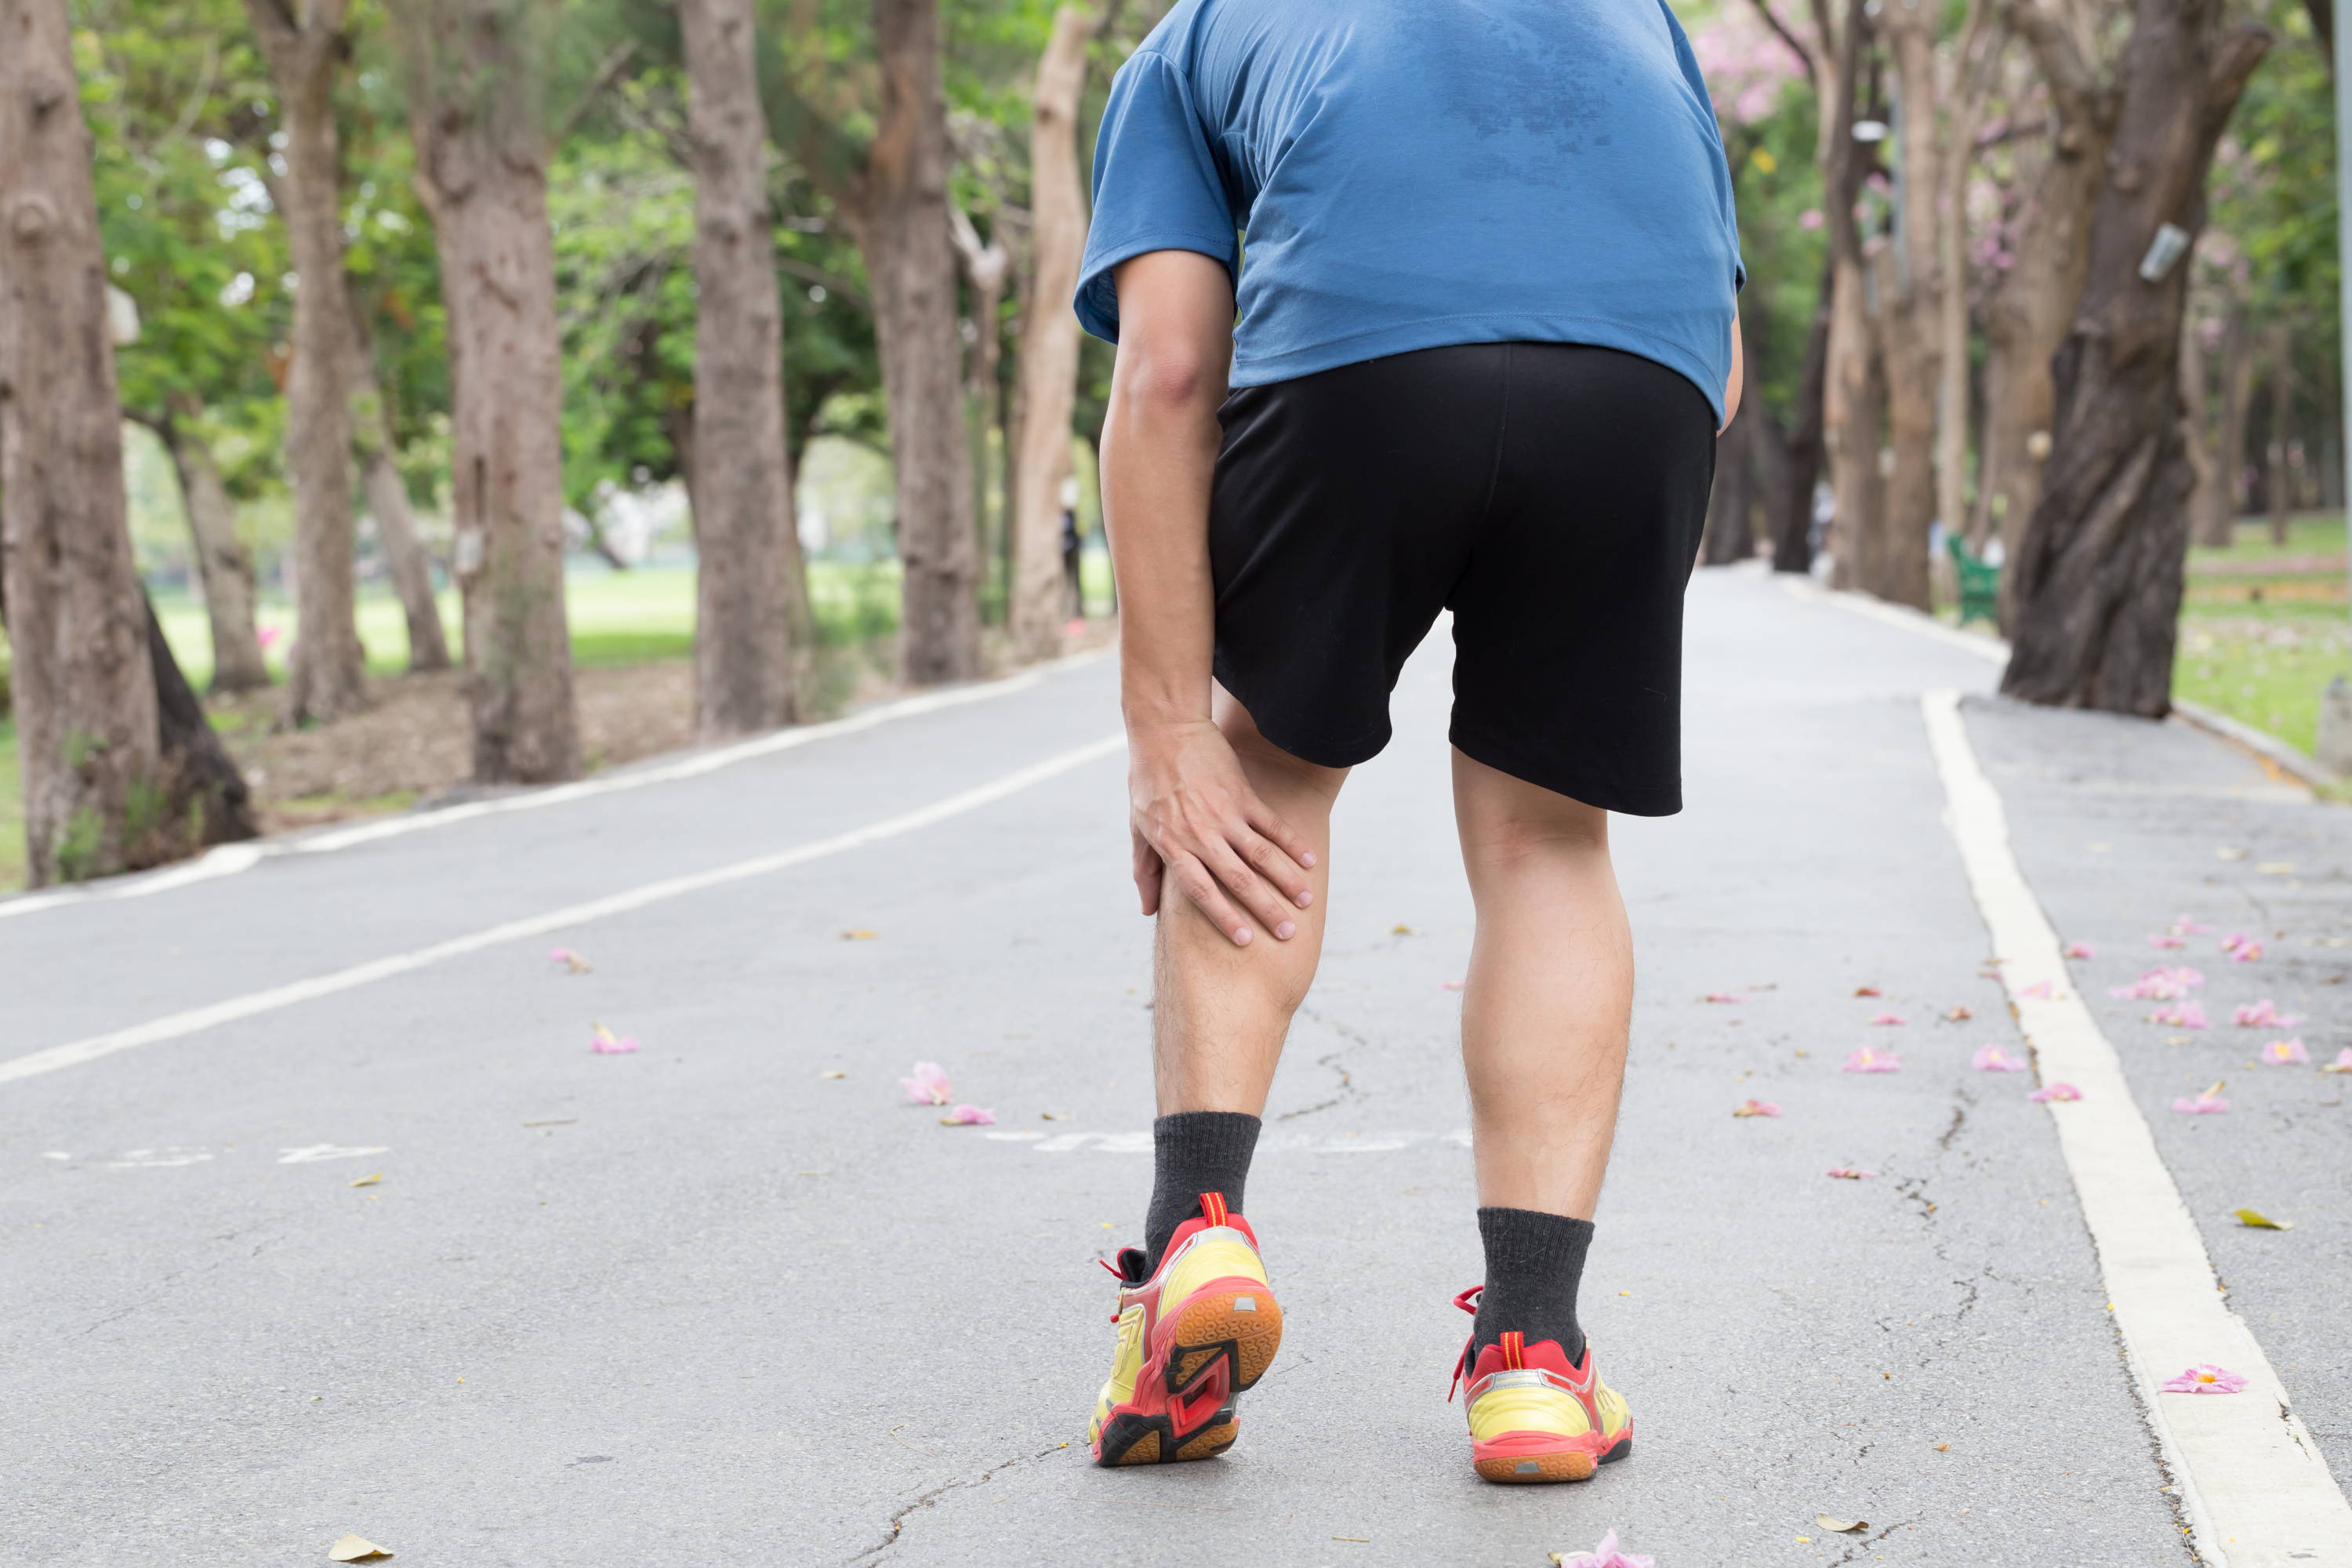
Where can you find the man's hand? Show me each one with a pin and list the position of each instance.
(1196, 821)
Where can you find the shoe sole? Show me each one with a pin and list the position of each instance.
(1539, 1469)
(1220, 1342)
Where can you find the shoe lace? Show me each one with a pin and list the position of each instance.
(1468, 1302)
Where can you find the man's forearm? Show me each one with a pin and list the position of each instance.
(1159, 452)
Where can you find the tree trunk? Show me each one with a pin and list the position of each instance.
(326, 673)
(1049, 340)
(1730, 513)
(1855, 393)
(209, 798)
(2196, 434)
(902, 226)
(2278, 347)
(1910, 291)
(2026, 318)
(751, 619)
(223, 565)
(474, 98)
(2099, 572)
(987, 269)
(84, 693)
(2219, 527)
(387, 497)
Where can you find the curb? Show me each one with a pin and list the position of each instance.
(2305, 769)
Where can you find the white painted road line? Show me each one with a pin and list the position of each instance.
(228, 859)
(2253, 1485)
(1267, 1144)
(195, 1020)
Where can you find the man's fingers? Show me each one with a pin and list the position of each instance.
(1209, 899)
(1284, 836)
(1255, 893)
(1149, 871)
(1276, 866)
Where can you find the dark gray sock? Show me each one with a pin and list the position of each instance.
(1194, 1151)
(1534, 1262)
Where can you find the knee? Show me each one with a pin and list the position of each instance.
(1533, 831)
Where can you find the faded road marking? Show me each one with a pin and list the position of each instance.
(253, 1004)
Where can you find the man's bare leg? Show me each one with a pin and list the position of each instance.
(1220, 1012)
(1544, 1020)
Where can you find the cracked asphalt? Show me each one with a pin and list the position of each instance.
(707, 1302)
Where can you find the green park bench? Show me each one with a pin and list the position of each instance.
(1979, 583)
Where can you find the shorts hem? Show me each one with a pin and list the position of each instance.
(1591, 792)
(1297, 740)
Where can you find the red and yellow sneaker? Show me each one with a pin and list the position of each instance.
(1202, 1328)
(1533, 1417)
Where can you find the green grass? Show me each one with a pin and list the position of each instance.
(2260, 645)
(617, 617)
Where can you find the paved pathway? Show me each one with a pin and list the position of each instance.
(707, 1302)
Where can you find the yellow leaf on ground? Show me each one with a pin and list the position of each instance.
(2257, 1220)
(1395, 931)
(860, 935)
(833, 1072)
(356, 1548)
(1841, 1526)
(369, 1181)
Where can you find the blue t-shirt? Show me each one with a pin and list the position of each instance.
(1406, 174)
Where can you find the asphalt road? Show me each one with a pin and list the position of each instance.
(704, 1302)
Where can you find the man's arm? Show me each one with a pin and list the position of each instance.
(1734, 384)
(1194, 817)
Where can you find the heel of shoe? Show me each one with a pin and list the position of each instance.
(1235, 1322)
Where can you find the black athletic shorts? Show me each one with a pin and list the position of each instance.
(1550, 495)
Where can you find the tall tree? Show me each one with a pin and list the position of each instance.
(752, 619)
(84, 692)
(2099, 572)
(308, 45)
(404, 559)
(1049, 338)
(2027, 314)
(477, 81)
(223, 565)
(890, 188)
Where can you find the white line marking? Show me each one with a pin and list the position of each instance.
(2253, 1485)
(228, 859)
(254, 1003)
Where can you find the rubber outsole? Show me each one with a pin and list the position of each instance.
(1539, 1469)
(1221, 1341)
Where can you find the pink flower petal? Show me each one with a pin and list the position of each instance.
(2205, 1379)
(968, 1116)
(1757, 1108)
(1606, 1555)
(2251, 953)
(1993, 1058)
(1868, 1060)
(1724, 996)
(2049, 1092)
(2234, 940)
(2039, 990)
(569, 960)
(2343, 1062)
(604, 1043)
(2206, 1104)
(2286, 1053)
(2180, 1015)
(2163, 939)
(2187, 926)
(2263, 1014)
(1888, 1019)
(1451, 984)
(2079, 949)
(1847, 1172)
(929, 1086)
